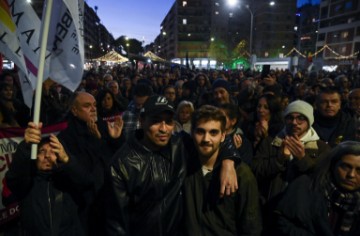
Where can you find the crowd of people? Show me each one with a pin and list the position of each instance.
(189, 152)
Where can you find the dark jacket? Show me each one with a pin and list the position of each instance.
(303, 211)
(245, 150)
(47, 206)
(335, 130)
(92, 156)
(146, 186)
(208, 214)
(273, 172)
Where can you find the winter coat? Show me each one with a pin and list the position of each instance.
(146, 186)
(208, 214)
(273, 172)
(92, 157)
(47, 205)
(303, 211)
(335, 130)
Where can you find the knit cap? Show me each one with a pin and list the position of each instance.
(221, 83)
(301, 107)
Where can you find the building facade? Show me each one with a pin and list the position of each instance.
(339, 29)
(307, 22)
(273, 27)
(97, 39)
(192, 28)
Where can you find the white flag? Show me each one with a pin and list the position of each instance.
(19, 41)
(66, 43)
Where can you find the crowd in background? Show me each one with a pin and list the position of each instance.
(114, 90)
(258, 108)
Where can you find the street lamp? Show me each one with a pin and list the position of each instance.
(90, 46)
(252, 14)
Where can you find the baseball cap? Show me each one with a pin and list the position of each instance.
(157, 104)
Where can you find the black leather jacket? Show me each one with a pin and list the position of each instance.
(146, 197)
(146, 189)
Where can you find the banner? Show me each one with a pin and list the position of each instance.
(20, 31)
(19, 42)
(66, 42)
(9, 140)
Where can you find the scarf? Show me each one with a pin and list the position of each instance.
(349, 202)
(308, 139)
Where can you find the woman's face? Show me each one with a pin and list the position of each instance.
(107, 102)
(7, 93)
(184, 115)
(262, 109)
(201, 81)
(347, 172)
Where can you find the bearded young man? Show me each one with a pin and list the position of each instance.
(205, 212)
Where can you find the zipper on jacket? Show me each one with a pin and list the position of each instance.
(50, 210)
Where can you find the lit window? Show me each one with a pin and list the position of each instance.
(345, 34)
(343, 49)
(184, 21)
(184, 3)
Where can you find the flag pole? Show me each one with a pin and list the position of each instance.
(40, 78)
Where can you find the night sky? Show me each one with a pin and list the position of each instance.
(140, 19)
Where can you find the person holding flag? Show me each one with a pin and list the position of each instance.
(46, 198)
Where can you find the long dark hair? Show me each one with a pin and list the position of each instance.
(326, 165)
(275, 108)
(101, 95)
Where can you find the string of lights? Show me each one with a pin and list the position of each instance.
(338, 55)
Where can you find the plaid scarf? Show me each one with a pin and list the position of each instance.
(349, 202)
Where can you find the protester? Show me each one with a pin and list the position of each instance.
(93, 143)
(147, 175)
(235, 134)
(108, 106)
(131, 116)
(266, 120)
(205, 213)
(55, 103)
(353, 105)
(291, 153)
(44, 187)
(203, 84)
(13, 113)
(326, 203)
(170, 94)
(183, 116)
(113, 86)
(221, 92)
(331, 123)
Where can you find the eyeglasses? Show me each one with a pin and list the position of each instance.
(299, 119)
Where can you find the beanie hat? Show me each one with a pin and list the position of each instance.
(301, 107)
(221, 83)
